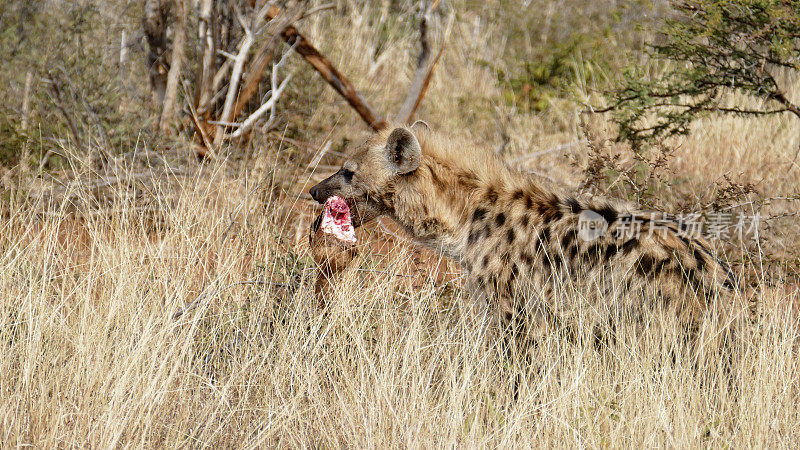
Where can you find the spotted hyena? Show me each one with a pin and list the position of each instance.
(523, 244)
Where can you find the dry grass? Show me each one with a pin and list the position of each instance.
(92, 355)
(90, 281)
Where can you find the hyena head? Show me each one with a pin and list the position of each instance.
(367, 180)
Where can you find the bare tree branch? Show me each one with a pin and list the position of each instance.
(425, 65)
(197, 125)
(208, 47)
(233, 85)
(263, 58)
(269, 105)
(329, 73)
(156, 14)
(173, 78)
(26, 100)
(57, 99)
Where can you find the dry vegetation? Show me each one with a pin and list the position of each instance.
(100, 246)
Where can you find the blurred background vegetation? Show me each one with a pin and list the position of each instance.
(548, 51)
(84, 82)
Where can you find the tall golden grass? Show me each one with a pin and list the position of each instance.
(89, 282)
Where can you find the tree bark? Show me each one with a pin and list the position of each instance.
(422, 77)
(208, 50)
(173, 79)
(156, 16)
(337, 81)
(26, 100)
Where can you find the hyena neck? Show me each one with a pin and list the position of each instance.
(432, 204)
(438, 204)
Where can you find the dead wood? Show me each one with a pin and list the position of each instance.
(202, 151)
(263, 57)
(155, 22)
(173, 78)
(425, 65)
(321, 64)
(57, 98)
(208, 50)
(26, 100)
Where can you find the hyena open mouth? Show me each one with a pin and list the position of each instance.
(336, 219)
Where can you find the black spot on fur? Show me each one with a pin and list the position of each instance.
(549, 210)
(661, 266)
(485, 261)
(593, 253)
(573, 205)
(527, 258)
(478, 215)
(523, 220)
(700, 258)
(630, 246)
(545, 261)
(611, 250)
(573, 252)
(512, 275)
(519, 194)
(509, 317)
(557, 260)
(474, 236)
(691, 276)
(536, 245)
(491, 195)
(608, 213)
(510, 236)
(730, 282)
(569, 238)
(645, 265)
(500, 219)
(545, 235)
(696, 252)
(557, 214)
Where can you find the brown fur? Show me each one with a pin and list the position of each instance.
(517, 239)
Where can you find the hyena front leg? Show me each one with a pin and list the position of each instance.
(524, 329)
(479, 299)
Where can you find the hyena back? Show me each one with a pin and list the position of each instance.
(520, 242)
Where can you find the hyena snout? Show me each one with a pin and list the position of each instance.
(321, 191)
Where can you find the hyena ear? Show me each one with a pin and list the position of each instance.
(420, 125)
(403, 151)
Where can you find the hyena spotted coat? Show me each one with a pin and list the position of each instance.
(520, 242)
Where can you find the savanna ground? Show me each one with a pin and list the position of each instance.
(103, 242)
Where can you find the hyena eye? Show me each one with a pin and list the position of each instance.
(348, 175)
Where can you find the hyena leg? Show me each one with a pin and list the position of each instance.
(479, 300)
(713, 352)
(524, 333)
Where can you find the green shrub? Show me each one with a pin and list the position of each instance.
(711, 47)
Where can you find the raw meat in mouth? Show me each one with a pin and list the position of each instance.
(336, 219)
